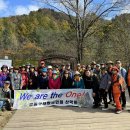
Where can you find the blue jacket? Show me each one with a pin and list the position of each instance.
(43, 82)
(123, 72)
(105, 81)
(3, 78)
(78, 84)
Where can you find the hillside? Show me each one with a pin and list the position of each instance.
(45, 30)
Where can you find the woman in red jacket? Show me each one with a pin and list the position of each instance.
(54, 81)
(24, 75)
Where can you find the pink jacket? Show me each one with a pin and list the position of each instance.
(54, 83)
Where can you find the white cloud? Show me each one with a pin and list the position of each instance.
(126, 9)
(25, 10)
(3, 5)
(33, 7)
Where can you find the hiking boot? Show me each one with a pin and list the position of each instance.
(118, 111)
(95, 106)
(109, 102)
(105, 109)
(123, 107)
(3, 109)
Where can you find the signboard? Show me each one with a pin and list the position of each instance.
(59, 97)
(5, 62)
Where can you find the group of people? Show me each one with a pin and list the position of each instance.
(107, 80)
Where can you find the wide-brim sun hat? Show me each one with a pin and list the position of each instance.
(76, 73)
(110, 62)
(54, 72)
(93, 63)
(49, 67)
(7, 82)
(97, 65)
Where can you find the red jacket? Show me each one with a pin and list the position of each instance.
(24, 78)
(54, 83)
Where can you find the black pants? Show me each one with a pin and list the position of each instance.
(123, 99)
(6, 105)
(103, 95)
(110, 94)
(129, 90)
(96, 99)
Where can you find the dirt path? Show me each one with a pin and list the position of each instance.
(4, 117)
(68, 118)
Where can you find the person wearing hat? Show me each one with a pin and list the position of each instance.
(41, 66)
(93, 66)
(23, 68)
(118, 86)
(97, 72)
(16, 79)
(4, 75)
(24, 78)
(88, 67)
(43, 80)
(68, 67)
(78, 81)
(5, 96)
(123, 73)
(66, 81)
(32, 78)
(28, 67)
(102, 65)
(105, 83)
(109, 66)
(91, 82)
(54, 81)
(62, 70)
(83, 67)
(49, 71)
(57, 69)
(11, 70)
(78, 68)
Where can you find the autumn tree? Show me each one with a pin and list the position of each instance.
(83, 15)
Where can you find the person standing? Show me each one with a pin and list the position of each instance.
(109, 68)
(4, 75)
(41, 66)
(105, 83)
(54, 81)
(16, 79)
(78, 81)
(66, 81)
(49, 71)
(91, 82)
(97, 72)
(32, 78)
(68, 67)
(43, 79)
(62, 70)
(117, 88)
(122, 72)
(24, 78)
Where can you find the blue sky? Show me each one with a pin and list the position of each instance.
(19, 7)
